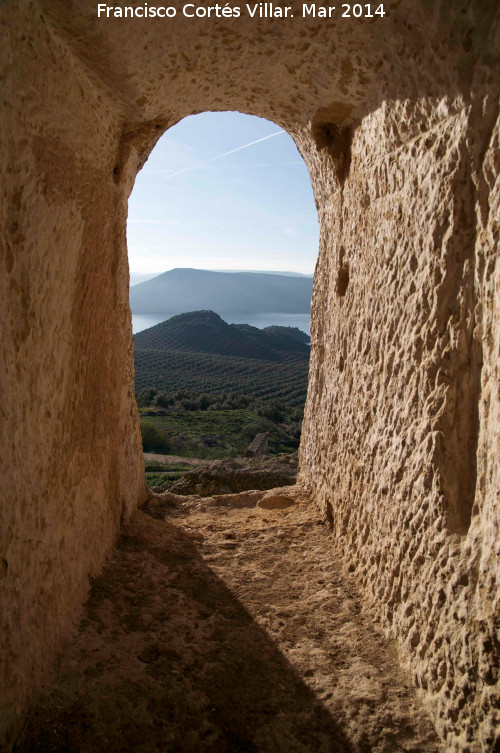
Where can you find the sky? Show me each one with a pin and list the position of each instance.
(202, 201)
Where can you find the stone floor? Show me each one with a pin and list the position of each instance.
(226, 625)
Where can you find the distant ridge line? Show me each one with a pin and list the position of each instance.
(186, 289)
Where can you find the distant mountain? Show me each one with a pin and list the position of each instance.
(138, 277)
(206, 332)
(267, 272)
(182, 290)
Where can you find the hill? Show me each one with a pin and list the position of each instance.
(294, 332)
(181, 290)
(171, 370)
(205, 387)
(206, 332)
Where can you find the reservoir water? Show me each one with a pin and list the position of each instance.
(302, 321)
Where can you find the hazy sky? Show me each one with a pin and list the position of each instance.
(251, 209)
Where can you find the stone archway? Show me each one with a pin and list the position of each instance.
(397, 121)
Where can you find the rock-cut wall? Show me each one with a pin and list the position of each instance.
(401, 435)
(397, 119)
(70, 449)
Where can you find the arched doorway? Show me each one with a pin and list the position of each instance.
(223, 211)
(397, 122)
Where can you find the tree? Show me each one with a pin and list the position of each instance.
(164, 399)
(146, 396)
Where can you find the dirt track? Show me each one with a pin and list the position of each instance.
(170, 459)
(219, 626)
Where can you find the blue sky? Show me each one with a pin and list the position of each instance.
(251, 209)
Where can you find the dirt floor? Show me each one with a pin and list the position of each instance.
(226, 625)
(171, 459)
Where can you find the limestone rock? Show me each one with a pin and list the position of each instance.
(237, 475)
(398, 122)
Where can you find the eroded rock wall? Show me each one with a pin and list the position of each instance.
(70, 461)
(397, 122)
(400, 443)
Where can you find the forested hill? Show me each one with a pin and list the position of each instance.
(206, 332)
(180, 290)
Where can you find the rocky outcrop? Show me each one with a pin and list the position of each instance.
(397, 120)
(258, 447)
(238, 475)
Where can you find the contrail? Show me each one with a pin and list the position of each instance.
(266, 164)
(219, 156)
(239, 148)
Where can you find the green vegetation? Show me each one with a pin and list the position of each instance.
(165, 473)
(206, 332)
(154, 436)
(197, 399)
(171, 371)
(153, 466)
(294, 332)
(214, 434)
(157, 479)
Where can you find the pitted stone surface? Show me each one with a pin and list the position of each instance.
(397, 121)
(398, 457)
(225, 624)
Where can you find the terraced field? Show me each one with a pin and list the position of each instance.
(205, 388)
(172, 370)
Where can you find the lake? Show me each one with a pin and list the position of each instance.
(302, 321)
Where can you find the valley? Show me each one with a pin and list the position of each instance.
(205, 388)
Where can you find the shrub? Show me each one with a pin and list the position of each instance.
(273, 411)
(146, 397)
(190, 404)
(161, 479)
(153, 437)
(297, 414)
(204, 401)
(250, 431)
(164, 399)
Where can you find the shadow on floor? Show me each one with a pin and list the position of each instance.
(167, 659)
